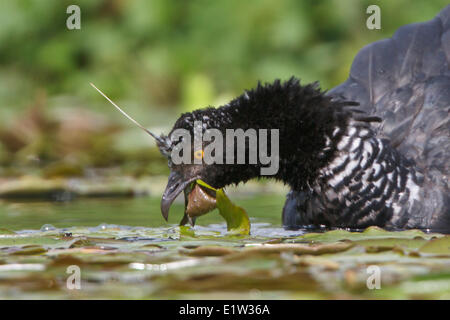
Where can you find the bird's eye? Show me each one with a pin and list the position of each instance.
(198, 154)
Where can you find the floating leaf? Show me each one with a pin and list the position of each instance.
(439, 246)
(313, 261)
(369, 233)
(376, 245)
(6, 231)
(295, 248)
(186, 231)
(210, 251)
(29, 250)
(46, 242)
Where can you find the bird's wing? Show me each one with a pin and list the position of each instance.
(405, 80)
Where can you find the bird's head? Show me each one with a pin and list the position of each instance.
(196, 149)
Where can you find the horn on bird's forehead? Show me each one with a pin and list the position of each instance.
(161, 141)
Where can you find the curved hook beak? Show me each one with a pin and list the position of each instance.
(175, 185)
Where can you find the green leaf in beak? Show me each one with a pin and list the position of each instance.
(236, 217)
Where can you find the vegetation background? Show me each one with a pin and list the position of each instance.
(157, 59)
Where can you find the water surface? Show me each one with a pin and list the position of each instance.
(140, 211)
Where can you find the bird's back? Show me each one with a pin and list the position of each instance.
(405, 80)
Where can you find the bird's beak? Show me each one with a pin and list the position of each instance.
(175, 185)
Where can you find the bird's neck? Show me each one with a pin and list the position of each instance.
(309, 123)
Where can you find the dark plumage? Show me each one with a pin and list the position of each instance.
(373, 151)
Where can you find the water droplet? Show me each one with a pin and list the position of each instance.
(103, 226)
(47, 227)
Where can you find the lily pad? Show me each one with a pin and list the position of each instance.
(5, 231)
(369, 233)
(210, 251)
(21, 241)
(439, 246)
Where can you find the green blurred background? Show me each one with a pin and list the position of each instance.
(157, 59)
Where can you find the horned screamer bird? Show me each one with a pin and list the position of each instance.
(373, 151)
(383, 163)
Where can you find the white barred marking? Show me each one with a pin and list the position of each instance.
(343, 142)
(351, 131)
(363, 133)
(355, 144)
(336, 131)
